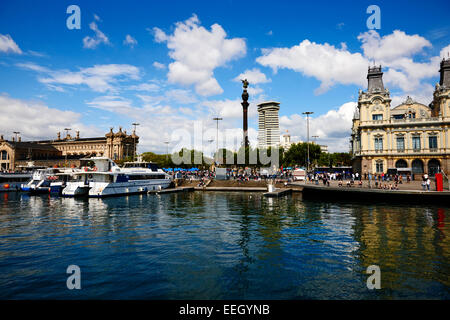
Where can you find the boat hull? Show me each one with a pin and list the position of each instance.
(10, 187)
(38, 190)
(76, 190)
(100, 190)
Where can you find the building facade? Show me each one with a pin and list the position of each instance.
(411, 136)
(323, 148)
(67, 150)
(268, 124)
(286, 140)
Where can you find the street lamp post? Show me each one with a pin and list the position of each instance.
(315, 141)
(307, 134)
(67, 135)
(134, 140)
(217, 119)
(210, 140)
(167, 149)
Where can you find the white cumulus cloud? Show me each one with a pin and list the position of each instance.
(197, 51)
(99, 78)
(328, 64)
(32, 120)
(254, 76)
(396, 53)
(392, 46)
(333, 127)
(159, 65)
(7, 44)
(130, 41)
(98, 38)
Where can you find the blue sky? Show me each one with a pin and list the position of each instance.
(172, 67)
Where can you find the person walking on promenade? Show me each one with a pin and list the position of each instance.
(370, 178)
(428, 184)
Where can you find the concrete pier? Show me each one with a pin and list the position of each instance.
(375, 195)
(172, 190)
(237, 189)
(278, 193)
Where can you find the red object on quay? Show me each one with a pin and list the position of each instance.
(439, 182)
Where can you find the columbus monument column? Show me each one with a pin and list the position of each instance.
(245, 107)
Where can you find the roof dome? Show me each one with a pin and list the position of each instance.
(110, 133)
(120, 133)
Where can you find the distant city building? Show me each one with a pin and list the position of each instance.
(116, 146)
(323, 148)
(286, 140)
(410, 136)
(268, 124)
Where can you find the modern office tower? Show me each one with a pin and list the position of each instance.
(269, 128)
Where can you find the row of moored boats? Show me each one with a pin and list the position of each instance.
(96, 177)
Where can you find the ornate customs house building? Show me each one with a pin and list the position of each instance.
(411, 135)
(66, 151)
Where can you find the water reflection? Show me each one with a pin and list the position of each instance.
(220, 246)
(408, 245)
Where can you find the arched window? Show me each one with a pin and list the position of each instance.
(401, 164)
(417, 166)
(4, 155)
(379, 166)
(434, 166)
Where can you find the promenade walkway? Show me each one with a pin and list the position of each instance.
(407, 193)
(413, 185)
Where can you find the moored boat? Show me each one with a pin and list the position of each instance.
(60, 180)
(13, 181)
(40, 181)
(104, 178)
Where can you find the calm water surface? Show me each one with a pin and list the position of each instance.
(220, 246)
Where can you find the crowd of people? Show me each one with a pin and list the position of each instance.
(375, 181)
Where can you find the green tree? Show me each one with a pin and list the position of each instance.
(297, 154)
(336, 159)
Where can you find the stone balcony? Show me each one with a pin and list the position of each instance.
(406, 121)
(409, 120)
(401, 152)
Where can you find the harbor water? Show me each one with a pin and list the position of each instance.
(217, 245)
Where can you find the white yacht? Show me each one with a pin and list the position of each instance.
(101, 177)
(60, 180)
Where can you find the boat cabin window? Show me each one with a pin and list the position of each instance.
(145, 176)
(87, 163)
(146, 165)
(13, 178)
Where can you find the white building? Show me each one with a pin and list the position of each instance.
(268, 128)
(286, 140)
(323, 148)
